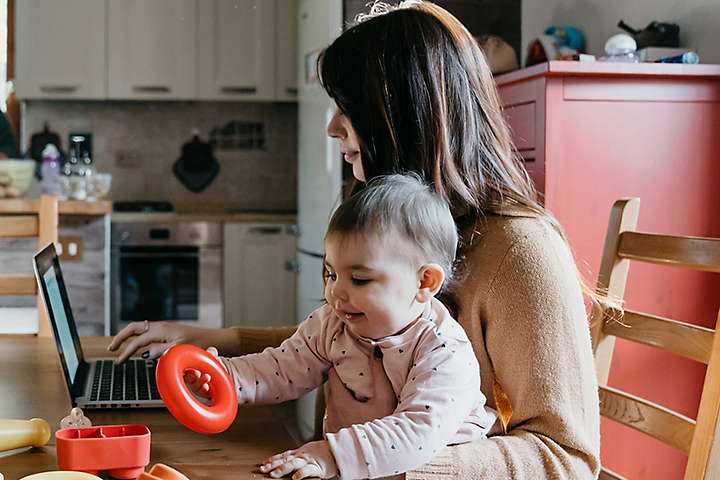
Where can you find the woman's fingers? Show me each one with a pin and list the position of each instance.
(158, 349)
(134, 328)
(134, 345)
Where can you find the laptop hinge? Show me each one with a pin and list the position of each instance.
(81, 380)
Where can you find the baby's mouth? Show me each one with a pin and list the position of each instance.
(351, 316)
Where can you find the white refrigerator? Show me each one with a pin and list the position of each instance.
(319, 165)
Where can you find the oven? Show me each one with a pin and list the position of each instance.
(166, 271)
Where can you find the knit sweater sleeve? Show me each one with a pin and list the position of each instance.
(537, 338)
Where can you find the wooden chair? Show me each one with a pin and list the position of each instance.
(39, 220)
(694, 437)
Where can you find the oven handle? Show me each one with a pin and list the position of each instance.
(125, 255)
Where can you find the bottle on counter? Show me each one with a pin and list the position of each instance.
(72, 181)
(86, 165)
(50, 169)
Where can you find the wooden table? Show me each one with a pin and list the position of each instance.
(32, 385)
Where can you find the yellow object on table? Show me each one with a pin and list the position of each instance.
(23, 433)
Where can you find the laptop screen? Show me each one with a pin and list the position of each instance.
(61, 321)
(57, 305)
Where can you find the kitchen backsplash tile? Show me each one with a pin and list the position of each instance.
(151, 134)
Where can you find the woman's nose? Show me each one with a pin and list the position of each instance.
(335, 128)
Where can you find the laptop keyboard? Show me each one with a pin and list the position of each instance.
(131, 380)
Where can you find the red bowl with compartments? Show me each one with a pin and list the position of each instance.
(122, 450)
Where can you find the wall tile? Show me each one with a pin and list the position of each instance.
(154, 133)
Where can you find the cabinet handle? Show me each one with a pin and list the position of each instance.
(266, 230)
(291, 90)
(238, 90)
(58, 88)
(292, 266)
(151, 88)
(528, 160)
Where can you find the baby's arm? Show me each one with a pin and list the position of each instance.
(442, 389)
(285, 372)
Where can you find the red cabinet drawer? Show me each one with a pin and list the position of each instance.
(521, 119)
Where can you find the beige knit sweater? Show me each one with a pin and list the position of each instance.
(521, 306)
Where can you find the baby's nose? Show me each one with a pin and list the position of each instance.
(339, 294)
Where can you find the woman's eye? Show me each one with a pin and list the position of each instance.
(361, 281)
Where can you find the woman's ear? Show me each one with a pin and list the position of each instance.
(430, 278)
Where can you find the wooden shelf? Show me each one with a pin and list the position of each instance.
(71, 207)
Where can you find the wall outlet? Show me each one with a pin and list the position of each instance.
(70, 249)
(127, 159)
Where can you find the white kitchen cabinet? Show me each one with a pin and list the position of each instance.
(236, 50)
(60, 52)
(286, 50)
(259, 277)
(151, 49)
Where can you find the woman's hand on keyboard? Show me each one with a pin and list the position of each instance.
(159, 336)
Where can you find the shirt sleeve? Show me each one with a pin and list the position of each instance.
(441, 390)
(298, 365)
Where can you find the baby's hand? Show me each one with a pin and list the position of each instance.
(197, 383)
(314, 459)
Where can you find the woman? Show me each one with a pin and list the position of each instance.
(414, 93)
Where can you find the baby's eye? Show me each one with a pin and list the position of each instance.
(361, 281)
(330, 276)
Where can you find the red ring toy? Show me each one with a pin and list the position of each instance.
(181, 402)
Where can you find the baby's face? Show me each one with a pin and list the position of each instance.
(371, 283)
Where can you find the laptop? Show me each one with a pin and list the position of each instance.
(92, 382)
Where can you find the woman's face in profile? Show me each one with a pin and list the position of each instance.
(340, 127)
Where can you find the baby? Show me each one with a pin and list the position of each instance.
(402, 376)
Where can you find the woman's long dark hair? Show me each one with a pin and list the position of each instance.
(420, 96)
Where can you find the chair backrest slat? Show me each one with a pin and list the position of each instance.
(684, 339)
(18, 285)
(19, 226)
(699, 439)
(667, 426)
(29, 218)
(691, 252)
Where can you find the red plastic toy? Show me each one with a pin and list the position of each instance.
(161, 471)
(122, 450)
(180, 401)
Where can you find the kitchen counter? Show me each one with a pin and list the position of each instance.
(65, 207)
(252, 216)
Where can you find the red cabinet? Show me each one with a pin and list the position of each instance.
(594, 132)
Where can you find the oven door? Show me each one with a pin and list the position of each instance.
(171, 283)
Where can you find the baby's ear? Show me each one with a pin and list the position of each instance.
(430, 278)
